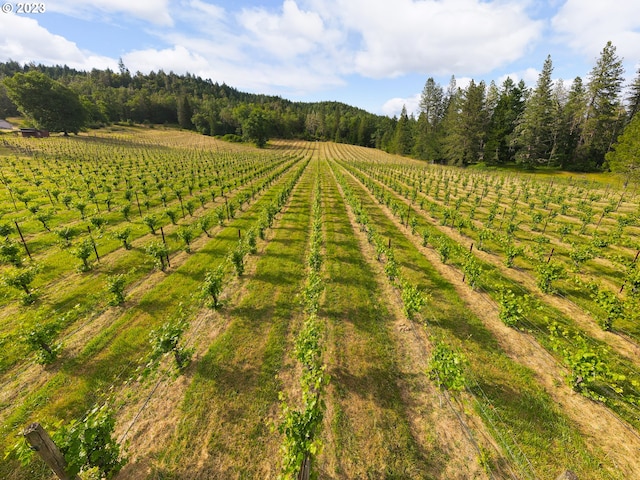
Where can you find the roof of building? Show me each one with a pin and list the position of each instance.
(4, 125)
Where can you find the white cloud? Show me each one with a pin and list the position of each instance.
(153, 11)
(177, 59)
(25, 41)
(587, 25)
(434, 36)
(288, 34)
(393, 106)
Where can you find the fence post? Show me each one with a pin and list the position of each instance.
(305, 469)
(41, 442)
(23, 242)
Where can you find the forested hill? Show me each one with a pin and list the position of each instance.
(203, 105)
(584, 126)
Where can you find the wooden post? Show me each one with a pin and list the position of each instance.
(41, 442)
(471, 248)
(165, 244)
(550, 255)
(305, 469)
(95, 249)
(239, 235)
(138, 202)
(23, 242)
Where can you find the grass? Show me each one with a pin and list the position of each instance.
(112, 356)
(507, 396)
(370, 429)
(233, 398)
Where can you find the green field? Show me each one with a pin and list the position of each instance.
(385, 317)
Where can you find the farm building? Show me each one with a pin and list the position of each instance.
(33, 133)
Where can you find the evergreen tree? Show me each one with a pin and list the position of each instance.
(185, 112)
(428, 141)
(403, 141)
(569, 124)
(499, 146)
(466, 124)
(625, 155)
(534, 133)
(604, 112)
(634, 96)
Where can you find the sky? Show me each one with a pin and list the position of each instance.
(372, 54)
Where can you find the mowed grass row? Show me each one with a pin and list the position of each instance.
(75, 296)
(114, 354)
(367, 432)
(225, 429)
(538, 438)
(613, 377)
(613, 246)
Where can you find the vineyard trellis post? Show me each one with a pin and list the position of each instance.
(165, 244)
(40, 441)
(95, 248)
(23, 241)
(550, 255)
(138, 202)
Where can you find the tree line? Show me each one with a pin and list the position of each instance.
(572, 127)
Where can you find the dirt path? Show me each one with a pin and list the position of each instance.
(620, 442)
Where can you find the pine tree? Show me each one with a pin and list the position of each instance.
(625, 155)
(185, 112)
(634, 97)
(534, 133)
(604, 112)
(428, 141)
(498, 147)
(570, 124)
(465, 125)
(402, 137)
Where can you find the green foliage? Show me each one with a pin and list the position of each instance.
(391, 267)
(151, 221)
(444, 249)
(40, 338)
(21, 278)
(52, 105)
(115, 287)
(212, 285)
(186, 234)
(472, 270)
(10, 252)
(512, 251)
(159, 252)
(256, 127)
(123, 235)
(547, 273)
(237, 258)
(166, 339)
(611, 305)
(90, 443)
(625, 154)
(83, 251)
(447, 367)
(65, 233)
(512, 307)
(413, 299)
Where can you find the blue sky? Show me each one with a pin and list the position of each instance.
(374, 54)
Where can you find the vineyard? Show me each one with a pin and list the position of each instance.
(175, 306)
